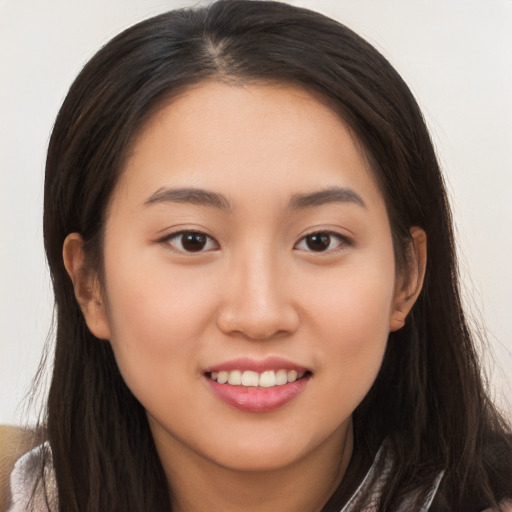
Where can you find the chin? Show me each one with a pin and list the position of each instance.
(260, 454)
(255, 461)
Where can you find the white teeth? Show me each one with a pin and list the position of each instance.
(281, 377)
(292, 376)
(267, 379)
(222, 378)
(235, 378)
(249, 379)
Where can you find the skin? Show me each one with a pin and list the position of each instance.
(256, 290)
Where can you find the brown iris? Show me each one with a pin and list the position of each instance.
(318, 241)
(193, 242)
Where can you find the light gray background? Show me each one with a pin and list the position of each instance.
(455, 54)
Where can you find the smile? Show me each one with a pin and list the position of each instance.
(259, 386)
(248, 378)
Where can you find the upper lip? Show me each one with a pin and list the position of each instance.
(257, 365)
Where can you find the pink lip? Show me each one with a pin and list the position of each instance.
(255, 365)
(251, 399)
(256, 399)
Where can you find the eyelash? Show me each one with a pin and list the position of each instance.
(343, 242)
(180, 236)
(327, 236)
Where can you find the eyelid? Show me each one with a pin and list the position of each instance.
(344, 240)
(176, 234)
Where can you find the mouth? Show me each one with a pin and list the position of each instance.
(249, 378)
(252, 386)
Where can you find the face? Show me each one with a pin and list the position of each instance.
(247, 242)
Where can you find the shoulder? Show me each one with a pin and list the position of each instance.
(505, 506)
(32, 487)
(15, 443)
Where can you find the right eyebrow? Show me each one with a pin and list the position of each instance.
(189, 195)
(326, 196)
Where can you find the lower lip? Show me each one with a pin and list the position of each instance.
(255, 399)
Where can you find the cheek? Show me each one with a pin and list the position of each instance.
(352, 320)
(355, 306)
(155, 319)
(152, 297)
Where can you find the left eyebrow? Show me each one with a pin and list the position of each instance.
(189, 195)
(326, 196)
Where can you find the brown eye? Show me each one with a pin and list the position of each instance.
(318, 241)
(191, 241)
(322, 241)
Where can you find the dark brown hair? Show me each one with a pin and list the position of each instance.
(428, 401)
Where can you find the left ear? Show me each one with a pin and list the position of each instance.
(410, 284)
(87, 287)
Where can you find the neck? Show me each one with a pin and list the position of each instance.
(303, 486)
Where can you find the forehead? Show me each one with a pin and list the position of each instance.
(252, 138)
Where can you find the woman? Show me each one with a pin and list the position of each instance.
(252, 258)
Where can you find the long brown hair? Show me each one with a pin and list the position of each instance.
(428, 401)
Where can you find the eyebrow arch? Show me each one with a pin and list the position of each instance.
(326, 196)
(189, 195)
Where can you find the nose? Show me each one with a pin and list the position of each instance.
(258, 302)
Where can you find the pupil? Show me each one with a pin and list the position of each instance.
(193, 241)
(318, 241)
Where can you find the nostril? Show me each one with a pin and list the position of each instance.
(256, 326)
